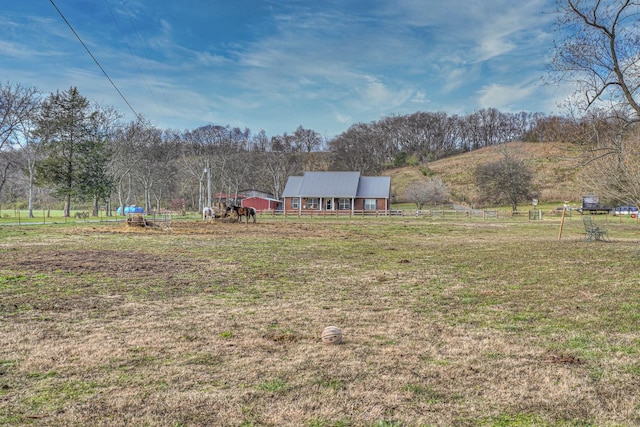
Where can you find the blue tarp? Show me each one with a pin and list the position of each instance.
(129, 209)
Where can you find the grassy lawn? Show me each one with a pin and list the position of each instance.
(445, 323)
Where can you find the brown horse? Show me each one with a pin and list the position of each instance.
(242, 211)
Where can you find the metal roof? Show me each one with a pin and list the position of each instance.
(292, 187)
(329, 184)
(337, 184)
(374, 187)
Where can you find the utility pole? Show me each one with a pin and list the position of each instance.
(208, 170)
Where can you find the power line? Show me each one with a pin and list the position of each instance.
(124, 40)
(94, 59)
(167, 104)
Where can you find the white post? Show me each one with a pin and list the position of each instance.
(208, 170)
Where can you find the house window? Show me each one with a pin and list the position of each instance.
(344, 204)
(370, 204)
(295, 203)
(313, 203)
(328, 205)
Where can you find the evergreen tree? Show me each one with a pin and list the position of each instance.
(74, 141)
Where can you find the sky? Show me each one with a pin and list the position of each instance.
(275, 65)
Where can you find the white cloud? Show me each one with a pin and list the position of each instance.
(343, 118)
(455, 78)
(375, 92)
(502, 96)
(207, 59)
(482, 30)
(15, 50)
(419, 97)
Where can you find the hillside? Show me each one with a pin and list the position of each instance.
(557, 174)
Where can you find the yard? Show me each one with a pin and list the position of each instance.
(445, 323)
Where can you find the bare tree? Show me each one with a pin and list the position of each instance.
(18, 104)
(157, 164)
(306, 139)
(31, 152)
(277, 167)
(617, 180)
(432, 192)
(260, 141)
(600, 51)
(18, 108)
(199, 156)
(508, 180)
(361, 148)
(611, 162)
(283, 143)
(125, 158)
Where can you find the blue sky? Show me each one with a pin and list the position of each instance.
(276, 65)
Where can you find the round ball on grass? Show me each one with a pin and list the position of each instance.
(332, 335)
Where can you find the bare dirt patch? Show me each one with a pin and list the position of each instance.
(126, 264)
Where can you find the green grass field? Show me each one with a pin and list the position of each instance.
(445, 323)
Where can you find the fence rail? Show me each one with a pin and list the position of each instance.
(335, 213)
(457, 213)
(426, 213)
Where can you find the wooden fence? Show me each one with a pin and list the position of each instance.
(425, 213)
(335, 213)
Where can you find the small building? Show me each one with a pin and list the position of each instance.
(336, 192)
(261, 203)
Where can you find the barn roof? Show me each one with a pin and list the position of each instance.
(337, 184)
(271, 199)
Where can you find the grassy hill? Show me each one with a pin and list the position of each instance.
(557, 172)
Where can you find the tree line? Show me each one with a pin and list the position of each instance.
(63, 149)
(425, 136)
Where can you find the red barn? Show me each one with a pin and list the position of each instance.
(260, 203)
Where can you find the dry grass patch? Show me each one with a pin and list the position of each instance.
(556, 169)
(444, 323)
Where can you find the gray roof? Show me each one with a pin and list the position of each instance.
(292, 187)
(377, 187)
(337, 184)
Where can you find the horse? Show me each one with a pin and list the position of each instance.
(242, 211)
(208, 214)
